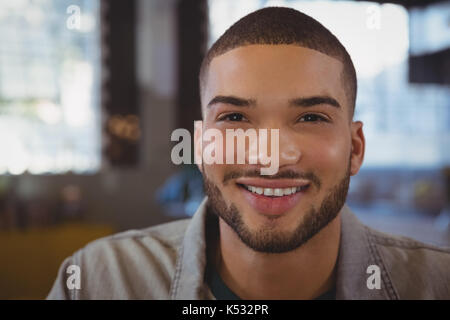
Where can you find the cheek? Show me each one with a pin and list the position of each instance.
(214, 173)
(328, 157)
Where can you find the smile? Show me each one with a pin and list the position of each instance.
(273, 197)
(275, 192)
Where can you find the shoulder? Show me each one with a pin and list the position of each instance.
(417, 270)
(129, 265)
(164, 236)
(160, 242)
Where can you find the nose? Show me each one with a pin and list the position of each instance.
(282, 146)
(289, 149)
(289, 156)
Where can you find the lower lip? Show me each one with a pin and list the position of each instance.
(273, 206)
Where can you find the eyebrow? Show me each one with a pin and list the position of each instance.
(312, 101)
(232, 100)
(297, 102)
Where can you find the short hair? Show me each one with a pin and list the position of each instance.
(277, 26)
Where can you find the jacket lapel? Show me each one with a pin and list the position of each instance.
(188, 281)
(357, 252)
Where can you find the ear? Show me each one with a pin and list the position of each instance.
(358, 147)
(198, 147)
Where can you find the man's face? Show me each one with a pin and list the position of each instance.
(300, 92)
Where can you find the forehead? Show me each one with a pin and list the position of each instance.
(274, 72)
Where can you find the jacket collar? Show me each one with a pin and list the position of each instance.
(188, 282)
(356, 252)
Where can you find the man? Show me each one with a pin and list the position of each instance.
(287, 235)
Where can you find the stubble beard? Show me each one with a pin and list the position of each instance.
(267, 239)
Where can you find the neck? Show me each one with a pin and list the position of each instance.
(304, 273)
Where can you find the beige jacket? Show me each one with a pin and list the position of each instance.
(168, 262)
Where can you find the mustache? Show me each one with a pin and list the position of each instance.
(286, 174)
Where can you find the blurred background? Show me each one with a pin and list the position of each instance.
(91, 90)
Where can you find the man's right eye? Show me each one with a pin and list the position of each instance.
(233, 117)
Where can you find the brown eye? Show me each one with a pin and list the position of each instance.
(233, 117)
(311, 117)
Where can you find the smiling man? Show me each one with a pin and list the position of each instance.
(287, 235)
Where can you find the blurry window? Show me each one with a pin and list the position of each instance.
(49, 86)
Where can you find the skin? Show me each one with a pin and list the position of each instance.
(271, 76)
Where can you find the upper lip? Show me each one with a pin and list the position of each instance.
(272, 183)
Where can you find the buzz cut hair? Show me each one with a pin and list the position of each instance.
(283, 26)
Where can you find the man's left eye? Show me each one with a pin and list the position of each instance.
(311, 117)
(233, 117)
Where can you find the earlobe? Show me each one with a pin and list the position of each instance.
(358, 147)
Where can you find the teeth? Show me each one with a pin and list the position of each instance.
(278, 192)
(275, 192)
